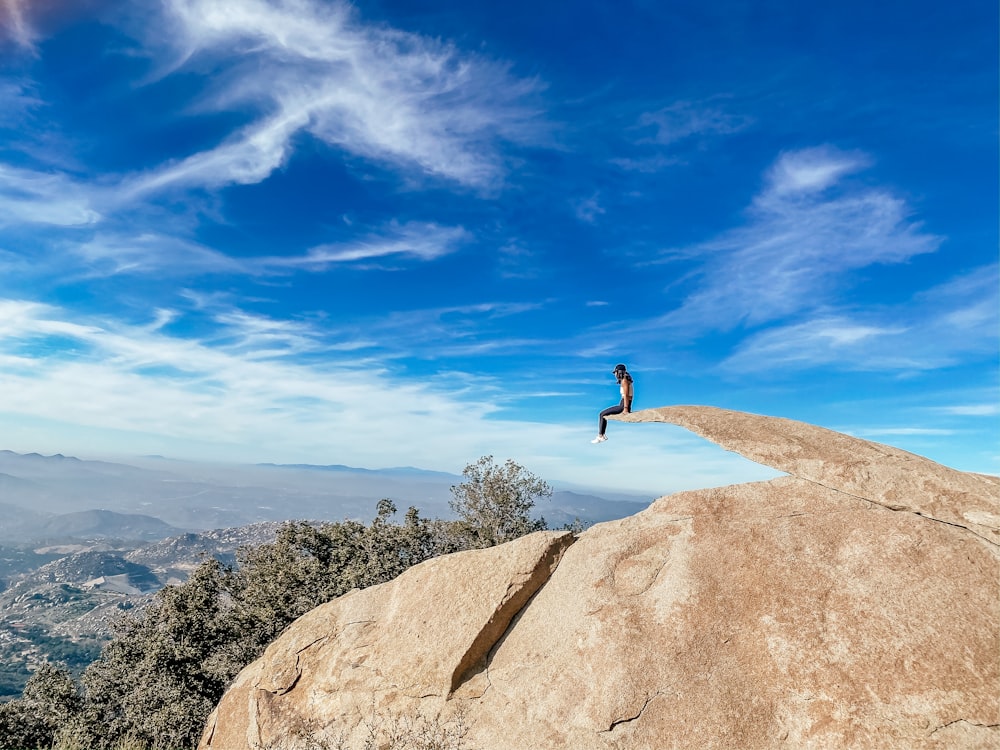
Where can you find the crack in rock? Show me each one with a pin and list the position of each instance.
(964, 721)
(496, 628)
(297, 669)
(630, 719)
(898, 508)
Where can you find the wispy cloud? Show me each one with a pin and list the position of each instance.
(239, 373)
(14, 23)
(805, 233)
(883, 431)
(246, 158)
(815, 343)
(969, 301)
(516, 261)
(33, 197)
(150, 254)
(395, 97)
(809, 171)
(658, 135)
(684, 119)
(423, 241)
(588, 210)
(453, 331)
(646, 164)
(261, 337)
(147, 253)
(16, 99)
(955, 321)
(970, 410)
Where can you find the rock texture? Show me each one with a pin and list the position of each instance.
(854, 603)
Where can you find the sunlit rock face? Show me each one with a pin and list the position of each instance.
(853, 603)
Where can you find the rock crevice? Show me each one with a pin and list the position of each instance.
(629, 719)
(517, 596)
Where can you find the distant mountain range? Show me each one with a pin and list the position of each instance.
(398, 471)
(45, 498)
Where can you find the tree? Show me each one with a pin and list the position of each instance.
(49, 700)
(155, 683)
(495, 501)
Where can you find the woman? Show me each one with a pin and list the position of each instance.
(624, 406)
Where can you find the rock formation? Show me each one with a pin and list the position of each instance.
(853, 603)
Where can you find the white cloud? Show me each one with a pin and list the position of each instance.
(881, 431)
(685, 119)
(14, 23)
(810, 170)
(17, 316)
(815, 343)
(28, 196)
(969, 302)
(148, 253)
(657, 137)
(446, 332)
(646, 164)
(423, 241)
(970, 410)
(516, 261)
(247, 158)
(373, 91)
(801, 241)
(953, 322)
(15, 101)
(589, 209)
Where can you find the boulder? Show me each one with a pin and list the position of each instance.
(853, 603)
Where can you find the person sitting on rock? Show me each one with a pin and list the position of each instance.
(624, 406)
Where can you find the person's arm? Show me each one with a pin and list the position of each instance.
(627, 394)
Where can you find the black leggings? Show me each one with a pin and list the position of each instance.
(608, 412)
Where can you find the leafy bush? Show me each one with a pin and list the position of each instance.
(48, 702)
(495, 501)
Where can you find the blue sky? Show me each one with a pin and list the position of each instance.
(413, 233)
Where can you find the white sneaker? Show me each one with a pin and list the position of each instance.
(599, 439)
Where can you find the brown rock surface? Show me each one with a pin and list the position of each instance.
(854, 603)
(872, 471)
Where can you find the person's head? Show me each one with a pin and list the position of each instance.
(620, 371)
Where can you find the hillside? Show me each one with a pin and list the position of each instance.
(62, 609)
(105, 524)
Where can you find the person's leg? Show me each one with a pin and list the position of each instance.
(607, 413)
